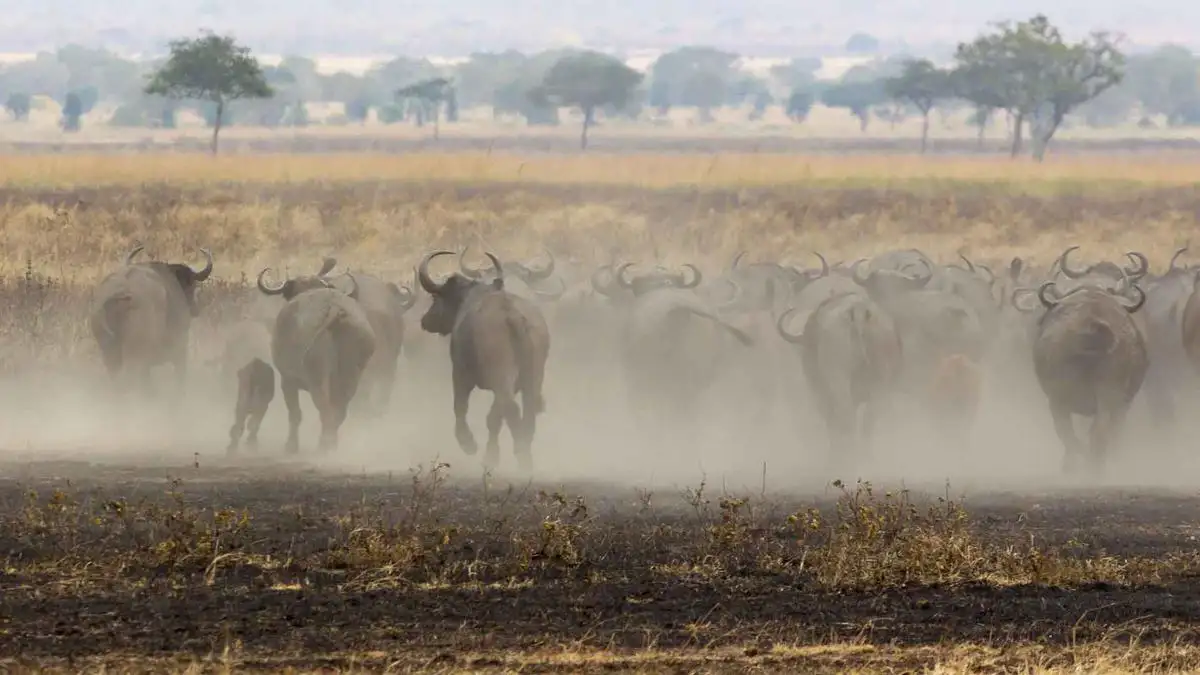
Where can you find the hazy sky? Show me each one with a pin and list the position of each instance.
(455, 27)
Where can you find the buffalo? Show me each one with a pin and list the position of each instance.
(499, 342)
(1090, 358)
(851, 355)
(385, 303)
(141, 316)
(321, 343)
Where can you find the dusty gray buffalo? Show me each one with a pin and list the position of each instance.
(851, 355)
(673, 345)
(499, 342)
(1090, 358)
(142, 313)
(321, 342)
(385, 303)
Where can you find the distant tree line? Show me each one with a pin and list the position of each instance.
(1024, 71)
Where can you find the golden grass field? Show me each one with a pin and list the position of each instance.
(481, 581)
(77, 214)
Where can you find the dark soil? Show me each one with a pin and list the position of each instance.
(107, 559)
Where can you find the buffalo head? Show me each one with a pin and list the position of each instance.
(448, 296)
(297, 285)
(187, 277)
(659, 278)
(886, 281)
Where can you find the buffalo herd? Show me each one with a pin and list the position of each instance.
(859, 335)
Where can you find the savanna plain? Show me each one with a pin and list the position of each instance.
(133, 542)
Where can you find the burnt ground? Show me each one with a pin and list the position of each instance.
(269, 564)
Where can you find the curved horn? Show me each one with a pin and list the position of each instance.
(860, 279)
(265, 289)
(602, 288)
(991, 277)
(697, 277)
(621, 275)
(423, 273)
(327, 265)
(353, 285)
(824, 266)
(535, 274)
(407, 297)
(469, 272)
(1136, 304)
(1044, 298)
(737, 259)
(499, 280)
(1141, 265)
(550, 295)
(1175, 258)
(208, 266)
(794, 338)
(1066, 269)
(133, 254)
(1016, 303)
(970, 265)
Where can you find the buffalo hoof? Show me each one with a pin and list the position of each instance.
(327, 444)
(525, 461)
(292, 447)
(232, 448)
(491, 458)
(466, 441)
(252, 444)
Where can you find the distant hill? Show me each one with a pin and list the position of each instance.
(753, 27)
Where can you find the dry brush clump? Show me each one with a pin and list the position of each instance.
(435, 532)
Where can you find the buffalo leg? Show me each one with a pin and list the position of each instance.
(291, 398)
(463, 385)
(322, 399)
(241, 410)
(262, 393)
(1066, 434)
(504, 409)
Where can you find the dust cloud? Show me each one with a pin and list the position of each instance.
(754, 430)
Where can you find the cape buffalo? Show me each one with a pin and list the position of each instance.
(1090, 358)
(851, 355)
(673, 346)
(141, 316)
(321, 343)
(499, 342)
(385, 303)
(246, 360)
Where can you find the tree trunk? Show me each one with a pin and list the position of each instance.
(217, 125)
(924, 131)
(588, 112)
(436, 121)
(1039, 150)
(1018, 124)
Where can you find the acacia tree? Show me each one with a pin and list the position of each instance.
(588, 80)
(1028, 70)
(210, 68)
(921, 85)
(432, 94)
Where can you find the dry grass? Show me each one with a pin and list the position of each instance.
(74, 216)
(721, 172)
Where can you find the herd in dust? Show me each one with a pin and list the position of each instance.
(860, 335)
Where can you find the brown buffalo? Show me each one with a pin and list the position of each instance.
(499, 342)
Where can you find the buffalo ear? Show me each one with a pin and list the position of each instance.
(498, 284)
(184, 275)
